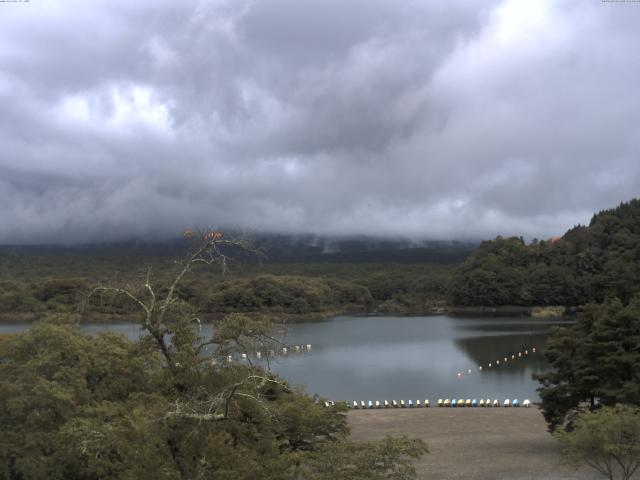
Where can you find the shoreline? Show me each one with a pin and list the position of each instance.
(475, 311)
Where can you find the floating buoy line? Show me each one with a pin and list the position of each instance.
(500, 361)
(271, 353)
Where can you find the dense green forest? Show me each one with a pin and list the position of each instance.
(585, 265)
(37, 285)
(170, 405)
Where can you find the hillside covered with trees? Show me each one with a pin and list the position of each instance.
(586, 265)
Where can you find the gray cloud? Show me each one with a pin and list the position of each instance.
(449, 119)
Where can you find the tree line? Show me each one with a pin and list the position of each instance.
(586, 265)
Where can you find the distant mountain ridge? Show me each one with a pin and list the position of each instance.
(283, 248)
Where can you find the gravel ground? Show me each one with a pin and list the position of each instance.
(473, 443)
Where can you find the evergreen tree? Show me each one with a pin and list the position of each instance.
(592, 362)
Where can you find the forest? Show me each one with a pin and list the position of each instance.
(585, 265)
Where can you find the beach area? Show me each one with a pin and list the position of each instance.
(473, 443)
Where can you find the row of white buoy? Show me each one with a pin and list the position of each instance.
(513, 356)
(270, 353)
(373, 404)
(295, 349)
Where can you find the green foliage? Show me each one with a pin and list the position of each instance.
(593, 362)
(74, 406)
(313, 290)
(607, 440)
(586, 265)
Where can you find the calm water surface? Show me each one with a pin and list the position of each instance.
(407, 357)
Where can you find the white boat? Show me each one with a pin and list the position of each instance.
(526, 403)
(355, 404)
(370, 404)
(386, 404)
(377, 404)
(402, 404)
(507, 403)
(440, 402)
(426, 403)
(394, 403)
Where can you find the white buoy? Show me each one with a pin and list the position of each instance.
(533, 349)
(459, 374)
(497, 362)
(489, 365)
(469, 371)
(513, 357)
(519, 354)
(505, 359)
(480, 368)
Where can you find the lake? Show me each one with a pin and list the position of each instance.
(382, 357)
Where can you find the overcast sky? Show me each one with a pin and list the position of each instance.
(432, 119)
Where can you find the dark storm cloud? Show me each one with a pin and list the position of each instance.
(427, 119)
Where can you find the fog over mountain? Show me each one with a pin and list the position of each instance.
(423, 119)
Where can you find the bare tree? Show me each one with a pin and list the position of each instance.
(176, 331)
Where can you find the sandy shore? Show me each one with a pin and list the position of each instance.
(473, 443)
